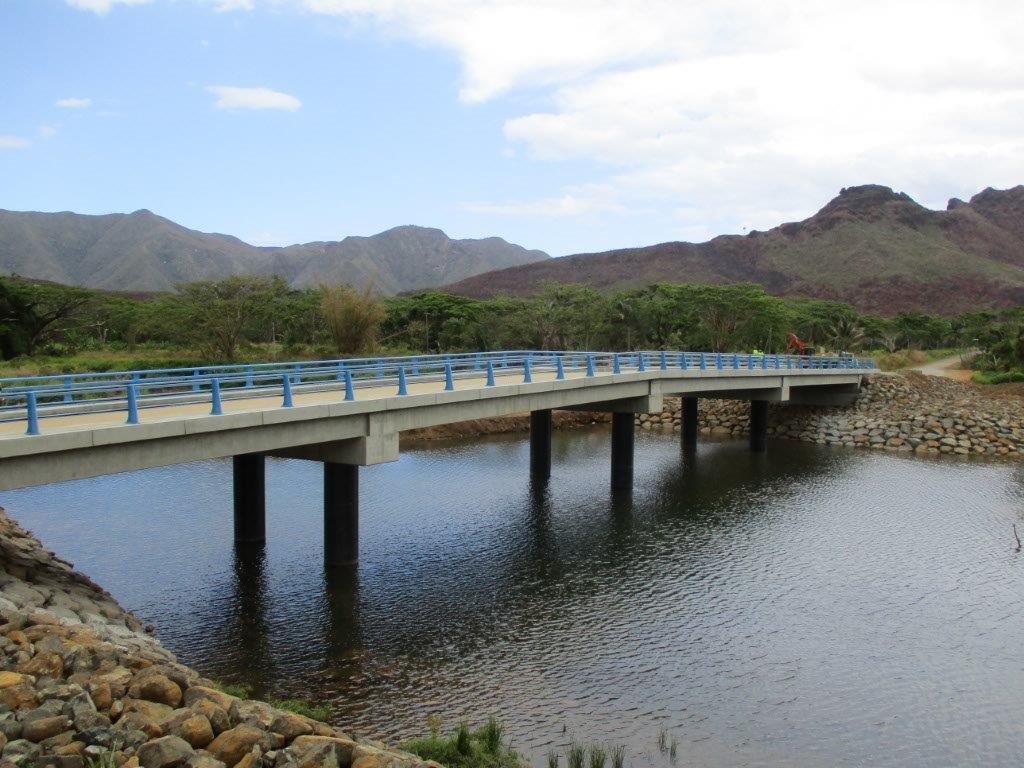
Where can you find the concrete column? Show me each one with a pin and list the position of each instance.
(249, 474)
(690, 425)
(341, 514)
(622, 450)
(758, 425)
(540, 444)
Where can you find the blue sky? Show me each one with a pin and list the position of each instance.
(563, 125)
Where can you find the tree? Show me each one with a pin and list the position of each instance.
(220, 311)
(353, 317)
(43, 311)
(846, 335)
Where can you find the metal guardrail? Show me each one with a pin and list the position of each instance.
(31, 398)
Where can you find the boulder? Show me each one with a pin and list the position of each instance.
(165, 752)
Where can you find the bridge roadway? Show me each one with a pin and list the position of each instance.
(319, 421)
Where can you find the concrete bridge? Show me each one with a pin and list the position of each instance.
(349, 413)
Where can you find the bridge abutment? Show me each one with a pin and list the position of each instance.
(622, 450)
(341, 514)
(690, 424)
(249, 479)
(759, 425)
(540, 444)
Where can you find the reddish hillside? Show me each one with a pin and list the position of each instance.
(870, 246)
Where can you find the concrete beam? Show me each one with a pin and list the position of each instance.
(827, 396)
(357, 451)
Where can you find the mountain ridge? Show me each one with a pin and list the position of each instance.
(870, 246)
(143, 251)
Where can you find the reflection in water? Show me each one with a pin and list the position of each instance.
(805, 606)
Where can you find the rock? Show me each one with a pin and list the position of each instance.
(21, 696)
(196, 730)
(310, 750)
(204, 759)
(151, 709)
(290, 725)
(157, 688)
(232, 745)
(218, 718)
(139, 721)
(202, 693)
(45, 727)
(7, 679)
(165, 752)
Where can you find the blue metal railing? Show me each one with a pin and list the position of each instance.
(34, 397)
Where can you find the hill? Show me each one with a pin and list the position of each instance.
(141, 251)
(870, 246)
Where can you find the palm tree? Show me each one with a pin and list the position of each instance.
(845, 334)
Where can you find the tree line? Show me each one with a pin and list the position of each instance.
(263, 317)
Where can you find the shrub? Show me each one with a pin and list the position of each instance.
(481, 748)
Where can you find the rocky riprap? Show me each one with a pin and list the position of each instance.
(83, 685)
(910, 412)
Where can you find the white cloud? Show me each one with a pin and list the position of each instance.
(225, 6)
(234, 97)
(724, 113)
(13, 142)
(73, 103)
(47, 131)
(102, 6)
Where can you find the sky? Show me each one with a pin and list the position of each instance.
(565, 125)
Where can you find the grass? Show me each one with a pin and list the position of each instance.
(320, 712)
(238, 690)
(552, 759)
(104, 760)
(575, 755)
(598, 756)
(997, 377)
(480, 748)
(618, 756)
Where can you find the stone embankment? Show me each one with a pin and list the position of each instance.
(83, 685)
(911, 412)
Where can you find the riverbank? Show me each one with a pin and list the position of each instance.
(84, 685)
(895, 412)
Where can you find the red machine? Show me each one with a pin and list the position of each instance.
(795, 345)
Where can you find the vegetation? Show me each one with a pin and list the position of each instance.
(50, 328)
(482, 748)
(320, 712)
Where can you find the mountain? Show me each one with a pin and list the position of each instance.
(870, 246)
(145, 252)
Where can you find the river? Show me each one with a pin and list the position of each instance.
(804, 607)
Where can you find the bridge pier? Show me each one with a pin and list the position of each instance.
(690, 425)
(759, 425)
(341, 514)
(540, 444)
(622, 450)
(249, 479)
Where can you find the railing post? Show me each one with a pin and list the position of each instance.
(703, 361)
(286, 391)
(67, 389)
(133, 405)
(401, 381)
(616, 367)
(764, 362)
(414, 367)
(664, 360)
(449, 380)
(504, 360)
(559, 368)
(789, 362)
(682, 361)
(527, 376)
(379, 373)
(298, 373)
(490, 374)
(349, 388)
(718, 361)
(735, 361)
(590, 365)
(195, 382)
(215, 407)
(476, 362)
(31, 413)
(641, 362)
(249, 376)
(341, 371)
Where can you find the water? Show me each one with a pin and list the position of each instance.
(805, 607)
